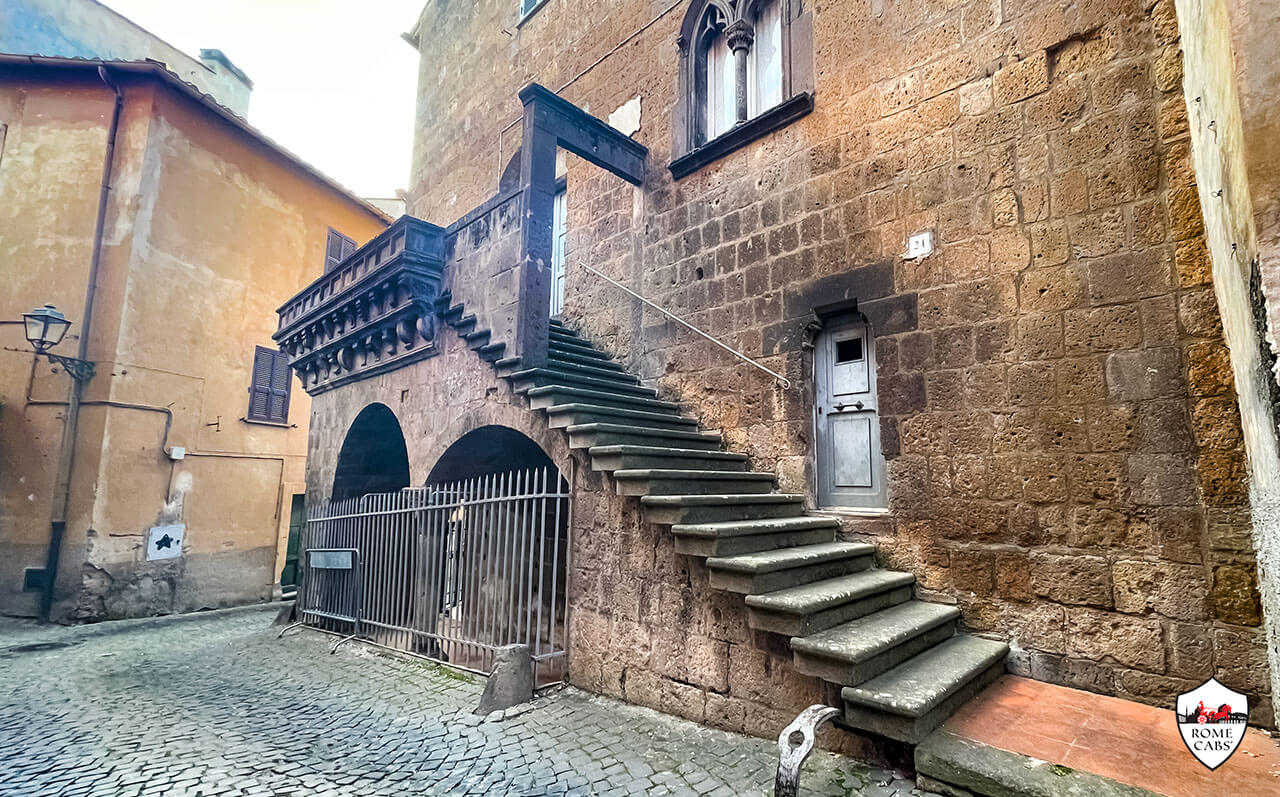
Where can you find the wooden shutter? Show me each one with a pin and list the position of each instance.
(280, 381)
(260, 385)
(337, 249)
(269, 390)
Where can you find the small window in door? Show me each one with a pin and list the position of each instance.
(848, 351)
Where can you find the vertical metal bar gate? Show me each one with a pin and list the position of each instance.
(452, 571)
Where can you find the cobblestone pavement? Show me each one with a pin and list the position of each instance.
(215, 705)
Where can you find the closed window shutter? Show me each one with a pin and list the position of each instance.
(269, 391)
(280, 375)
(337, 249)
(260, 387)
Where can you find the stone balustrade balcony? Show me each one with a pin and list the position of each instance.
(373, 312)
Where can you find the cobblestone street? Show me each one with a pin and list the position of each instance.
(215, 705)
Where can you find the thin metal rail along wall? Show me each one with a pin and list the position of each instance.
(449, 571)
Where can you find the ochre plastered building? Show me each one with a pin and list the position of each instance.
(1055, 446)
(206, 225)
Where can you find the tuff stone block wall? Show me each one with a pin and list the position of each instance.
(644, 624)
(1223, 78)
(1058, 411)
(482, 255)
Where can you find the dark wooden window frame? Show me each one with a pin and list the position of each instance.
(690, 147)
(277, 371)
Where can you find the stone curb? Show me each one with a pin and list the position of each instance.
(115, 627)
(962, 767)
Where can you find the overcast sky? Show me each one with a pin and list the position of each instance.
(333, 82)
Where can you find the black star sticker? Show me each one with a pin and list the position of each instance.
(164, 542)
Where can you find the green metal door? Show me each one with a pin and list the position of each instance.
(297, 519)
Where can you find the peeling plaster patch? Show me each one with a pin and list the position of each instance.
(172, 510)
(626, 119)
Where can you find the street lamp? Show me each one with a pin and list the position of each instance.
(46, 327)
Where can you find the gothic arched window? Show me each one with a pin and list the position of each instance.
(745, 69)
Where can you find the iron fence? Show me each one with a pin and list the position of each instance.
(452, 571)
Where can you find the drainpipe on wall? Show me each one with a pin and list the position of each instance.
(71, 421)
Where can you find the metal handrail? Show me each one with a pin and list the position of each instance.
(786, 383)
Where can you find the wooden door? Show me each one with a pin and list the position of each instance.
(850, 464)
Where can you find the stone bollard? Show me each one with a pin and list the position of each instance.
(511, 682)
(286, 615)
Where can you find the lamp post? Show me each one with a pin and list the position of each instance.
(46, 327)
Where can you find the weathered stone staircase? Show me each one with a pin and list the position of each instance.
(902, 664)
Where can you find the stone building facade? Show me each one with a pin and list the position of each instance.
(1057, 412)
(169, 279)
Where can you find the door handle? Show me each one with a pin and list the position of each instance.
(857, 405)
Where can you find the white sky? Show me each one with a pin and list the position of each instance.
(333, 82)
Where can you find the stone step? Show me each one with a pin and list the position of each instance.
(562, 415)
(541, 398)
(909, 701)
(669, 509)
(769, 571)
(751, 536)
(611, 458)
(492, 352)
(653, 481)
(557, 356)
(477, 338)
(732, 546)
(523, 379)
(557, 324)
(564, 334)
(810, 608)
(464, 325)
(589, 435)
(580, 369)
(859, 650)
(578, 347)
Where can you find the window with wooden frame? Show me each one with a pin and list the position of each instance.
(746, 69)
(269, 388)
(337, 249)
